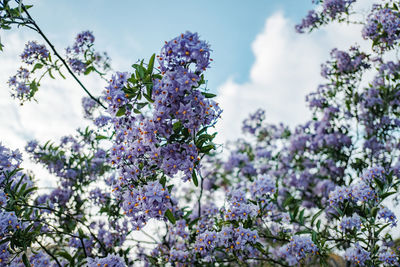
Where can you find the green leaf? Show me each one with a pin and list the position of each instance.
(301, 216)
(170, 216)
(379, 183)
(288, 201)
(163, 180)
(374, 211)
(65, 255)
(194, 177)
(318, 224)
(170, 188)
(100, 137)
(121, 112)
(385, 195)
(316, 216)
(89, 70)
(51, 75)
(34, 88)
(207, 148)
(151, 64)
(148, 98)
(37, 66)
(208, 95)
(140, 70)
(141, 105)
(25, 260)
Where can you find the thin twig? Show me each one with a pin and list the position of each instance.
(59, 57)
(49, 253)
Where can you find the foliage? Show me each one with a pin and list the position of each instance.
(311, 195)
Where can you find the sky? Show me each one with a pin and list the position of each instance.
(259, 60)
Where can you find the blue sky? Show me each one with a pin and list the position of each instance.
(259, 60)
(130, 30)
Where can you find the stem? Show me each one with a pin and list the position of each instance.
(201, 192)
(59, 57)
(49, 253)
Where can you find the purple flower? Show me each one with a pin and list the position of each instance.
(112, 260)
(357, 255)
(89, 105)
(34, 52)
(387, 215)
(335, 7)
(4, 254)
(374, 173)
(388, 257)
(185, 49)
(350, 223)
(309, 22)
(77, 65)
(298, 248)
(382, 26)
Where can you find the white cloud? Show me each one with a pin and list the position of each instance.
(286, 68)
(57, 113)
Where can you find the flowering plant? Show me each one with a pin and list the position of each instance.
(317, 194)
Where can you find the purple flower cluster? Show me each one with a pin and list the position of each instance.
(81, 54)
(77, 65)
(113, 233)
(240, 160)
(140, 138)
(253, 122)
(4, 254)
(98, 196)
(333, 8)
(383, 26)
(359, 192)
(111, 260)
(82, 40)
(9, 223)
(82, 243)
(297, 249)
(19, 83)
(357, 255)
(387, 215)
(206, 218)
(144, 203)
(262, 189)
(344, 62)
(350, 223)
(309, 22)
(41, 259)
(34, 52)
(9, 161)
(183, 50)
(89, 106)
(374, 173)
(238, 240)
(388, 257)
(238, 208)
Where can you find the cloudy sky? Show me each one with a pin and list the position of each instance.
(259, 61)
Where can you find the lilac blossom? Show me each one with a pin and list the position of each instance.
(112, 260)
(297, 249)
(357, 255)
(387, 215)
(350, 223)
(34, 52)
(382, 26)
